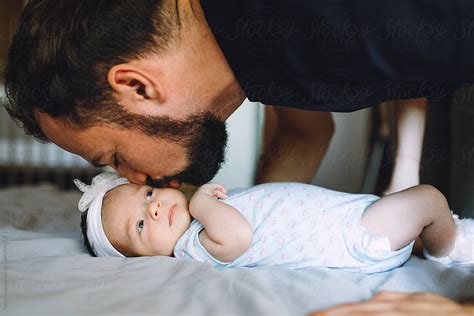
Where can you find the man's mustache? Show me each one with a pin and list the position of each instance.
(168, 181)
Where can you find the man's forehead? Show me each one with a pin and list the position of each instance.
(47, 122)
(70, 138)
(55, 128)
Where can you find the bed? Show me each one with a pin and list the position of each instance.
(46, 271)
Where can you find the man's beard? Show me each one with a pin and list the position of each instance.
(203, 136)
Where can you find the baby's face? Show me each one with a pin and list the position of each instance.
(140, 220)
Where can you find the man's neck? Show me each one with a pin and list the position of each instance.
(224, 92)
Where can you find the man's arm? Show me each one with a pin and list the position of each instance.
(226, 234)
(410, 121)
(295, 142)
(396, 303)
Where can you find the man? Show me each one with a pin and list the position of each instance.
(146, 86)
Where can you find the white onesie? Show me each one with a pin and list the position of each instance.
(300, 225)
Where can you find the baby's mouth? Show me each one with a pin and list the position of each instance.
(171, 212)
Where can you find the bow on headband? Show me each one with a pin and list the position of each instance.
(92, 200)
(101, 183)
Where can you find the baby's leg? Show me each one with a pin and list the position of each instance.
(418, 211)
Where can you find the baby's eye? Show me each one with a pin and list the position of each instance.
(140, 226)
(148, 195)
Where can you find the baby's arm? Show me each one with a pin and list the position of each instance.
(226, 234)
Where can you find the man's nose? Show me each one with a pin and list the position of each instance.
(174, 184)
(133, 175)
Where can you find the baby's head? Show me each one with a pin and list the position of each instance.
(124, 219)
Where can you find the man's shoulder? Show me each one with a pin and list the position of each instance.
(333, 56)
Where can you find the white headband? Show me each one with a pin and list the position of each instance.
(92, 200)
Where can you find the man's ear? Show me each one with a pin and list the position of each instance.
(135, 88)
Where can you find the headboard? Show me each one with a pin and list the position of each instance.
(23, 160)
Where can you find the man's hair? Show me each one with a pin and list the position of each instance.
(63, 49)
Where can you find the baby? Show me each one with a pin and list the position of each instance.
(290, 225)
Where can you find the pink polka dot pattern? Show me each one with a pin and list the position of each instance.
(295, 226)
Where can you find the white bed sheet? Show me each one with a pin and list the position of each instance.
(45, 271)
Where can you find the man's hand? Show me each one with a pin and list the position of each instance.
(213, 190)
(395, 303)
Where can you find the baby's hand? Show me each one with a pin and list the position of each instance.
(213, 190)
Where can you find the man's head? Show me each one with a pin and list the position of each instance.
(140, 83)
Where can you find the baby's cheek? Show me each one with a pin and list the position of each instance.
(124, 249)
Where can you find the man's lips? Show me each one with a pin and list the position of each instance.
(171, 212)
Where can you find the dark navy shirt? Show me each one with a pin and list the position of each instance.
(344, 55)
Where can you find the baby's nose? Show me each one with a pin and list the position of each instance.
(155, 210)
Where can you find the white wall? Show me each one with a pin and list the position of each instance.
(244, 127)
(342, 168)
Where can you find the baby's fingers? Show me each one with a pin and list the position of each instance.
(217, 187)
(220, 188)
(220, 194)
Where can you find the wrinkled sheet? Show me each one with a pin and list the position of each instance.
(44, 270)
